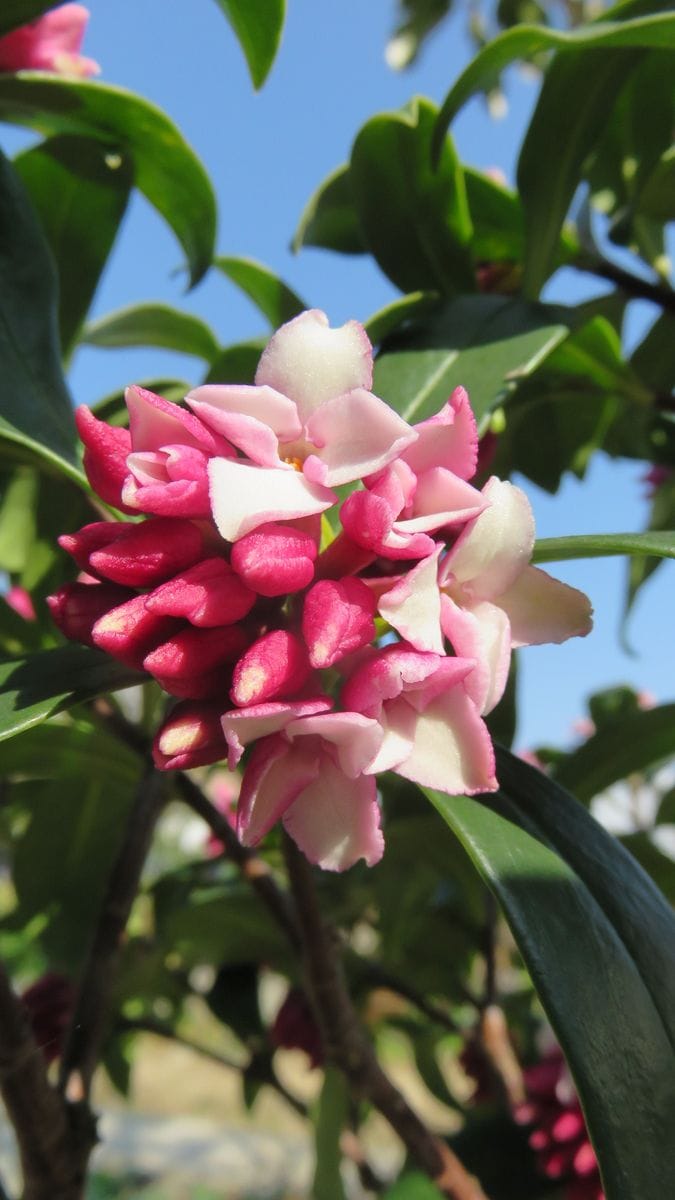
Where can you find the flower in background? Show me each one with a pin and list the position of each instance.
(294, 1027)
(20, 600)
(48, 1003)
(51, 43)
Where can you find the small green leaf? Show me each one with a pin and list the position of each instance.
(329, 219)
(258, 25)
(35, 408)
(166, 169)
(273, 297)
(330, 1122)
(657, 198)
(80, 193)
(31, 689)
(480, 342)
(603, 545)
(628, 744)
(415, 219)
(524, 41)
(153, 325)
(237, 363)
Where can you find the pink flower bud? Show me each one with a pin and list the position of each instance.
(90, 538)
(191, 736)
(171, 482)
(19, 599)
(275, 559)
(51, 43)
(76, 607)
(294, 1027)
(106, 448)
(337, 619)
(129, 632)
(190, 664)
(275, 667)
(208, 594)
(149, 553)
(48, 1003)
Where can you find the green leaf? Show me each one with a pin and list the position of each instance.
(603, 545)
(20, 12)
(31, 689)
(35, 409)
(524, 41)
(329, 219)
(153, 325)
(237, 363)
(258, 25)
(273, 297)
(80, 194)
(72, 751)
(166, 169)
(413, 1186)
(666, 813)
(415, 219)
(661, 519)
(390, 318)
(592, 929)
(654, 358)
(659, 866)
(657, 198)
(330, 1121)
(628, 744)
(480, 342)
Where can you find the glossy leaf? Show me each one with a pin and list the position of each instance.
(80, 193)
(480, 342)
(166, 169)
(659, 866)
(271, 295)
(415, 219)
(31, 689)
(329, 219)
(20, 12)
(237, 363)
(35, 408)
(628, 744)
(258, 25)
(592, 930)
(524, 41)
(153, 325)
(603, 545)
(390, 318)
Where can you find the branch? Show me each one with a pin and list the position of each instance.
(91, 1012)
(346, 1044)
(51, 1146)
(380, 976)
(632, 285)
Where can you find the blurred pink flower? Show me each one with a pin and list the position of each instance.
(51, 43)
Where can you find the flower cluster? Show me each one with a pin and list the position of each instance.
(334, 650)
(50, 43)
(558, 1129)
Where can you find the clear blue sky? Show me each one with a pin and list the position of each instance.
(266, 153)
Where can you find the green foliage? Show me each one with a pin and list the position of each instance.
(271, 295)
(331, 1119)
(153, 325)
(629, 743)
(258, 25)
(599, 545)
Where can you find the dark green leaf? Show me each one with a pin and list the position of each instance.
(330, 1122)
(666, 813)
(407, 308)
(602, 545)
(626, 745)
(329, 219)
(657, 198)
(35, 408)
(661, 517)
(258, 25)
(166, 169)
(69, 752)
(31, 689)
(271, 295)
(415, 219)
(413, 1187)
(233, 999)
(237, 363)
(153, 325)
(592, 930)
(20, 12)
(659, 866)
(80, 193)
(654, 358)
(480, 342)
(656, 30)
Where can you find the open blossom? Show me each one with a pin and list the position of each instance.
(266, 630)
(51, 43)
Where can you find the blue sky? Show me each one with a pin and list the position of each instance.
(266, 153)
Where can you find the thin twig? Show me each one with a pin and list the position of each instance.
(92, 1009)
(52, 1147)
(380, 976)
(632, 285)
(346, 1045)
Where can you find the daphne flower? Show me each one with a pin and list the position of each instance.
(51, 43)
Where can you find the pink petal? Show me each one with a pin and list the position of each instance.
(355, 738)
(244, 497)
(398, 720)
(208, 594)
(451, 751)
(155, 422)
(254, 419)
(386, 673)
(147, 554)
(441, 499)
(191, 736)
(413, 606)
(105, 455)
(542, 609)
(244, 725)
(491, 552)
(336, 821)
(368, 520)
(337, 618)
(483, 633)
(309, 362)
(355, 434)
(275, 559)
(275, 775)
(449, 439)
